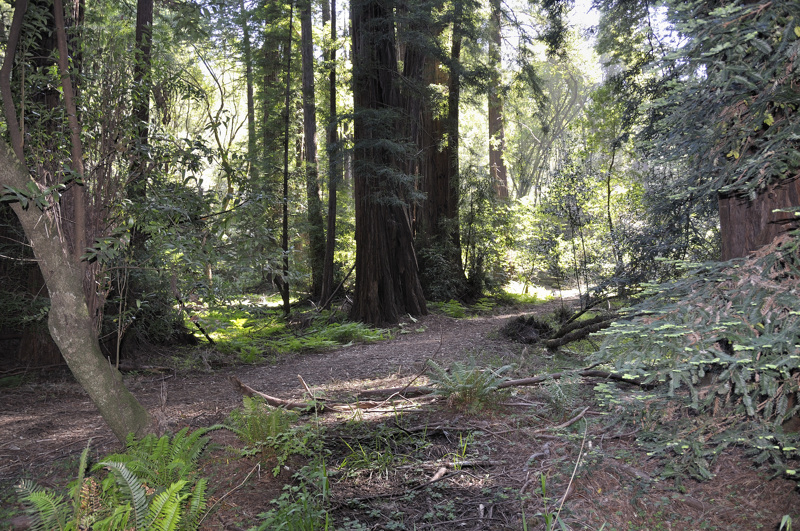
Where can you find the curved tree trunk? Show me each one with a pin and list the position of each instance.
(69, 321)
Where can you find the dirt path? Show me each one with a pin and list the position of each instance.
(45, 421)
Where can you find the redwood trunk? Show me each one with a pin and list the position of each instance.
(497, 142)
(387, 281)
(746, 225)
(316, 230)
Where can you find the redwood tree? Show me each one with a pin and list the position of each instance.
(316, 230)
(387, 281)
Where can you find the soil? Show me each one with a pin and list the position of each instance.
(505, 448)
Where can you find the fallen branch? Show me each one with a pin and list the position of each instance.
(271, 400)
(317, 403)
(557, 375)
(406, 391)
(580, 333)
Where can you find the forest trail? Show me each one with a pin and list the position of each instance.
(49, 419)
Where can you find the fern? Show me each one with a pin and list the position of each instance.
(132, 490)
(466, 385)
(164, 513)
(48, 511)
(197, 503)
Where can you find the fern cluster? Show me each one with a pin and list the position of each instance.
(268, 432)
(154, 485)
(725, 339)
(465, 385)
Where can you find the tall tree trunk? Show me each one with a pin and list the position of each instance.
(251, 106)
(316, 228)
(453, 133)
(387, 282)
(746, 225)
(141, 95)
(334, 164)
(284, 285)
(497, 143)
(437, 232)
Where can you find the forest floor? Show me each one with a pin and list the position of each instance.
(415, 464)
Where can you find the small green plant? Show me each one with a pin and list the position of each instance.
(380, 457)
(460, 455)
(268, 432)
(256, 422)
(550, 518)
(299, 508)
(452, 308)
(786, 523)
(483, 305)
(465, 386)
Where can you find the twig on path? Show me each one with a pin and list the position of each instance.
(566, 424)
(234, 489)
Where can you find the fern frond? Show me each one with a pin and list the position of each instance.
(132, 489)
(197, 504)
(119, 519)
(165, 511)
(48, 511)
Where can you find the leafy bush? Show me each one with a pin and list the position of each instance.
(723, 340)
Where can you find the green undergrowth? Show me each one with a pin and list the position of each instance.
(458, 310)
(253, 333)
(719, 348)
(154, 485)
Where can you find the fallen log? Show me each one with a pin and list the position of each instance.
(580, 333)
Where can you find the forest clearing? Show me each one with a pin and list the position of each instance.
(388, 264)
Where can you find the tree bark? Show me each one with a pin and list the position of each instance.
(141, 94)
(497, 142)
(387, 281)
(284, 285)
(68, 320)
(334, 164)
(251, 108)
(316, 229)
(437, 217)
(746, 225)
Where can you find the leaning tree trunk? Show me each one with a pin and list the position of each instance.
(746, 225)
(387, 281)
(69, 321)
